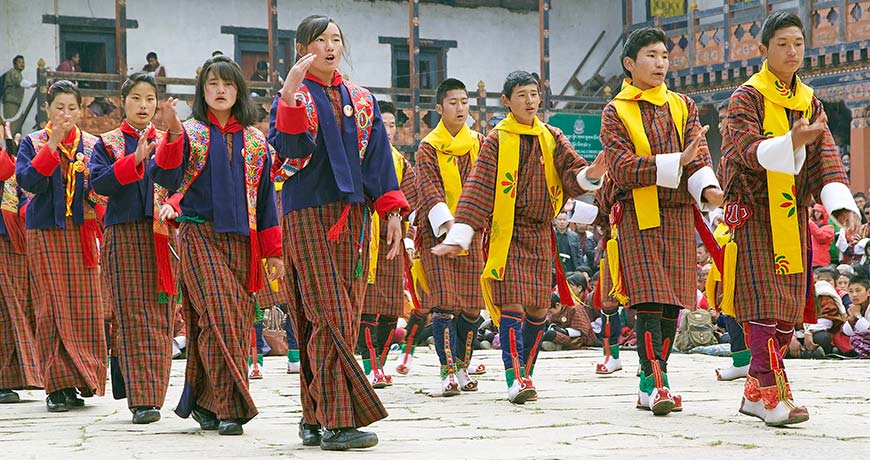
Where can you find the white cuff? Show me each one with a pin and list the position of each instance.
(668, 170)
(701, 179)
(837, 196)
(584, 213)
(777, 154)
(847, 329)
(584, 182)
(409, 243)
(412, 217)
(842, 242)
(862, 325)
(574, 333)
(438, 216)
(460, 235)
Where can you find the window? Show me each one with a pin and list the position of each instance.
(252, 46)
(432, 68)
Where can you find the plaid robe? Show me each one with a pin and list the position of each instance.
(453, 282)
(69, 311)
(605, 197)
(19, 362)
(142, 330)
(658, 264)
(334, 389)
(267, 297)
(760, 293)
(218, 312)
(387, 295)
(528, 273)
(573, 317)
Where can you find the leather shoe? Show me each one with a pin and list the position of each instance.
(310, 434)
(230, 427)
(72, 398)
(347, 438)
(56, 402)
(145, 415)
(8, 396)
(207, 419)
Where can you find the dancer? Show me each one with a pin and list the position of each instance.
(336, 157)
(217, 165)
(524, 171)
(779, 155)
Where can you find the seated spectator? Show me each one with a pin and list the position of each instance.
(857, 325)
(568, 329)
(832, 315)
(702, 257)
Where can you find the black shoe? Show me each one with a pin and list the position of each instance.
(347, 438)
(310, 434)
(207, 419)
(86, 392)
(145, 415)
(56, 402)
(8, 396)
(72, 398)
(230, 427)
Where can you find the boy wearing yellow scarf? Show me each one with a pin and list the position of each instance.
(779, 157)
(444, 161)
(658, 160)
(522, 176)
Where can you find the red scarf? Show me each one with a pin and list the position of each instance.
(126, 128)
(232, 126)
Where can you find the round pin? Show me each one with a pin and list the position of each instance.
(80, 156)
(348, 110)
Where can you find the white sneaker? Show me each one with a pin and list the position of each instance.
(609, 366)
(292, 368)
(521, 391)
(254, 373)
(176, 352)
(177, 344)
(466, 383)
(377, 380)
(403, 364)
(752, 408)
(732, 373)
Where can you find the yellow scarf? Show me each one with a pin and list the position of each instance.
(782, 199)
(502, 228)
(724, 238)
(449, 148)
(75, 165)
(646, 199)
(375, 243)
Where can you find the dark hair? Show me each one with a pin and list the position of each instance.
(63, 87)
(311, 27)
(17, 58)
(828, 270)
(446, 86)
(386, 107)
(860, 280)
(519, 78)
(226, 69)
(577, 279)
(71, 54)
(262, 65)
(217, 53)
(780, 20)
(638, 39)
(134, 79)
(861, 194)
(150, 55)
(554, 300)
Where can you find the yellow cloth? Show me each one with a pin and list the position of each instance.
(75, 164)
(449, 148)
(418, 276)
(646, 199)
(375, 243)
(782, 199)
(502, 228)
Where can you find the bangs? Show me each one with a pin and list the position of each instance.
(226, 71)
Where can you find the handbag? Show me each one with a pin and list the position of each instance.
(274, 333)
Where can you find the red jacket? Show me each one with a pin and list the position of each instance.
(822, 237)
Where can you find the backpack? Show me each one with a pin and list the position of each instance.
(696, 330)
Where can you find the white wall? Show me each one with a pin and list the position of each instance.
(491, 41)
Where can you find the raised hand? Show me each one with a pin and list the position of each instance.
(61, 124)
(803, 133)
(169, 115)
(295, 77)
(693, 149)
(144, 150)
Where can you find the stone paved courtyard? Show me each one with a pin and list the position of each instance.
(578, 415)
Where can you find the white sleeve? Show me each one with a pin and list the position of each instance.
(584, 213)
(409, 243)
(668, 170)
(842, 242)
(460, 235)
(584, 182)
(861, 325)
(700, 180)
(777, 154)
(574, 333)
(438, 216)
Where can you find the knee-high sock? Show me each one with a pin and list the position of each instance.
(367, 322)
(612, 326)
(418, 321)
(532, 326)
(511, 320)
(292, 344)
(766, 355)
(385, 331)
(649, 318)
(443, 320)
(465, 326)
(739, 353)
(670, 316)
